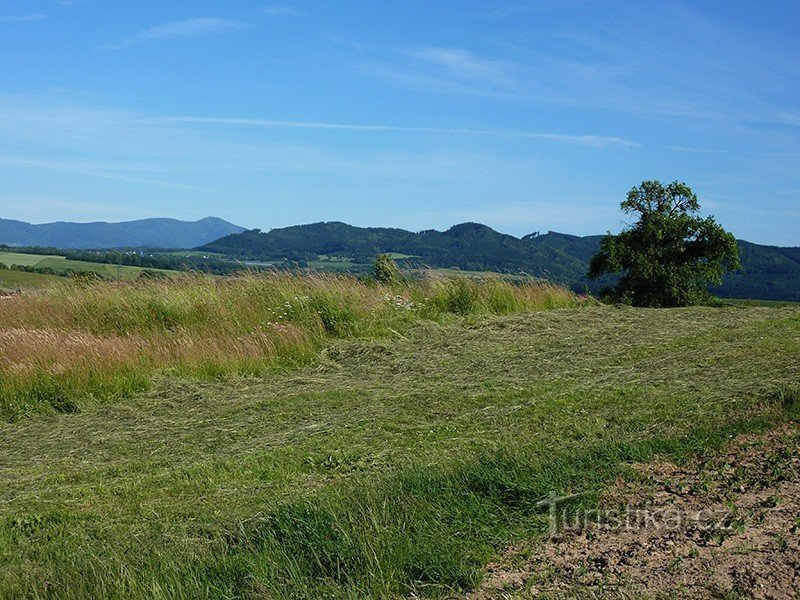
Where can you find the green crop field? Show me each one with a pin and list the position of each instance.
(12, 280)
(396, 459)
(337, 265)
(60, 264)
(25, 260)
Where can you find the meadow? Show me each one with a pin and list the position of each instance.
(12, 280)
(61, 265)
(98, 341)
(386, 442)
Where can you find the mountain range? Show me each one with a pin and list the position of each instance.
(768, 272)
(154, 233)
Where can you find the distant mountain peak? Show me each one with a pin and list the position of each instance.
(155, 232)
(469, 228)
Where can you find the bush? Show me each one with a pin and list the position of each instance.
(386, 270)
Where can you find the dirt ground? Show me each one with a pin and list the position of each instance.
(725, 526)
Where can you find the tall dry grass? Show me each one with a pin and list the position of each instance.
(105, 340)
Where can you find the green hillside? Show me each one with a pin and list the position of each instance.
(11, 280)
(768, 272)
(49, 265)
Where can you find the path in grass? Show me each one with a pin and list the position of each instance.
(160, 492)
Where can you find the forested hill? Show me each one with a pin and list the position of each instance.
(768, 272)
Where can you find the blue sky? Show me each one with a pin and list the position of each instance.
(526, 116)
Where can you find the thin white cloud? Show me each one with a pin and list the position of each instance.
(692, 150)
(597, 66)
(787, 118)
(178, 29)
(23, 18)
(102, 171)
(464, 64)
(35, 208)
(586, 140)
(279, 10)
(454, 70)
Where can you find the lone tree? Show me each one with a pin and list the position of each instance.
(670, 255)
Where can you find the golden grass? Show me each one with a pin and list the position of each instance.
(106, 339)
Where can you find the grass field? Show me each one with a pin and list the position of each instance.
(12, 280)
(25, 260)
(60, 264)
(81, 341)
(771, 303)
(336, 266)
(387, 466)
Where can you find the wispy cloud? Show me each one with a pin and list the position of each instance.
(689, 150)
(100, 170)
(446, 69)
(600, 67)
(462, 63)
(22, 18)
(37, 208)
(178, 29)
(584, 139)
(279, 10)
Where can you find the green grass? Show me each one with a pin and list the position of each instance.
(336, 266)
(771, 303)
(12, 280)
(60, 264)
(86, 342)
(25, 260)
(193, 253)
(390, 467)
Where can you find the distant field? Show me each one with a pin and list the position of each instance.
(26, 260)
(336, 266)
(195, 253)
(772, 303)
(61, 265)
(11, 280)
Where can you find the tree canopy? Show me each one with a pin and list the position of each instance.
(670, 255)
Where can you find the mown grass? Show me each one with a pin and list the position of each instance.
(105, 340)
(391, 467)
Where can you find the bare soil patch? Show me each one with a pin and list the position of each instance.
(724, 526)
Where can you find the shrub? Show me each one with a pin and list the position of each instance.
(386, 270)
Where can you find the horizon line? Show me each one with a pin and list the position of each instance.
(246, 229)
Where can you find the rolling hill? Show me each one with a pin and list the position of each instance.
(158, 233)
(768, 272)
